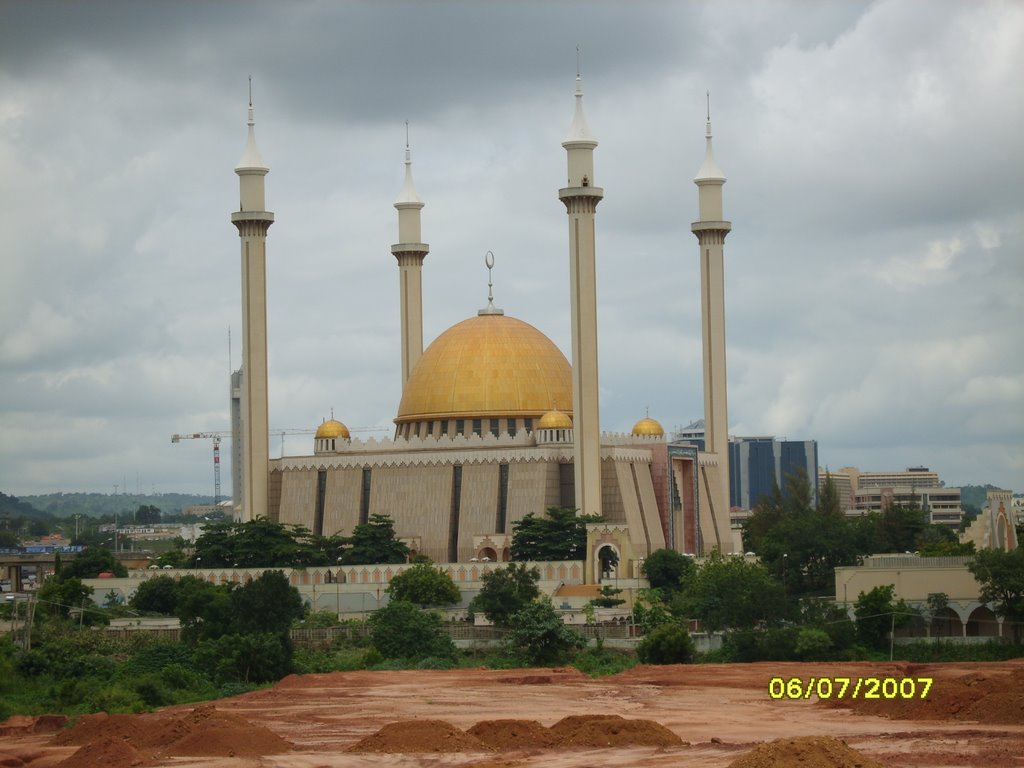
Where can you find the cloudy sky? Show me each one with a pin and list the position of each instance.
(874, 274)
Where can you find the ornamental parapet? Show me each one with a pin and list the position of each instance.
(399, 458)
(628, 438)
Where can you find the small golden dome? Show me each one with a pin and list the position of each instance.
(332, 428)
(487, 366)
(648, 427)
(555, 420)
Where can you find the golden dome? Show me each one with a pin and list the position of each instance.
(332, 428)
(648, 427)
(555, 420)
(487, 366)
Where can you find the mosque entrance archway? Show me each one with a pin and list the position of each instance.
(607, 562)
(982, 623)
(946, 623)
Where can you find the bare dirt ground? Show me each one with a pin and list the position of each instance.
(704, 716)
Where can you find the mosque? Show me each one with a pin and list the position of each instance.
(494, 422)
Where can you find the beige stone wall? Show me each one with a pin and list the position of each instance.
(419, 500)
(649, 508)
(640, 506)
(341, 502)
(629, 500)
(912, 583)
(478, 511)
(298, 498)
(612, 493)
(532, 487)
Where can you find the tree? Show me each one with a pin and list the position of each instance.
(64, 595)
(204, 609)
(947, 549)
(667, 644)
(878, 615)
(175, 558)
(813, 644)
(159, 595)
(799, 543)
(608, 597)
(538, 636)
(901, 525)
(424, 585)
(374, 542)
(668, 569)
(649, 610)
(258, 657)
(731, 593)
(561, 535)
(1001, 576)
(214, 548)
(91, 562)
(267, 604)
(505, 592)
(400, 630)
(147, 514)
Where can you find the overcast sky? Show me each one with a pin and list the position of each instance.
(874, 274)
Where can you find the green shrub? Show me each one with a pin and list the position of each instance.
(153, 658)
(151, 691)
(114, 699)
(234, 688)
(667, 644)
(433, 662)
(186, 681)
(33, 663)
(400, 630)
(813, 644)
(538, 636)
(777, 644)
(598, 662)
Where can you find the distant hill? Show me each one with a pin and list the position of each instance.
(97, 504)
(13, 507)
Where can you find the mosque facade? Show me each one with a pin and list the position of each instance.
(494, 423)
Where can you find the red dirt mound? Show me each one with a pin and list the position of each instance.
(207, 732)
(419, 736)
(203, 732)
(612, 731)
(101, 725)
(106, 752)
(513, 734)
(994, 699)
(24, 724)
(804, 752)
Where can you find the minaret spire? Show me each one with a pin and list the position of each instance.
(581, 198)
(253, 221)
(490, 309)
(410, 253)
(711, 231)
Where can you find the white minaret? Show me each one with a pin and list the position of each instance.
(253, 221)
(711, 230)
(410, 253)
(581, 198)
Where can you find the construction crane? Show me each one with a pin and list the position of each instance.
(216, 437)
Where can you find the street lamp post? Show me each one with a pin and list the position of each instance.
(785, 560)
